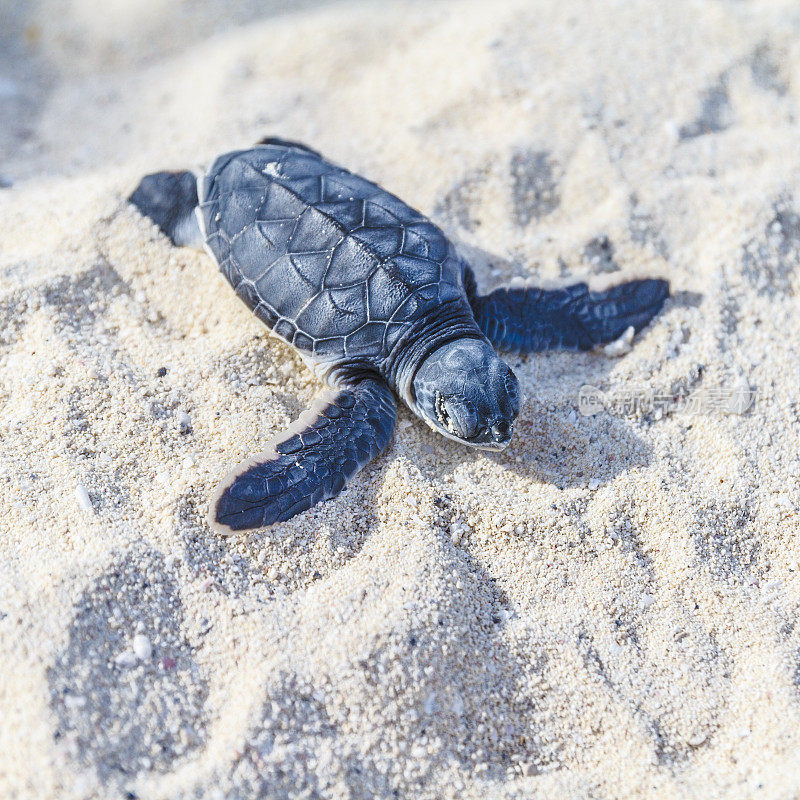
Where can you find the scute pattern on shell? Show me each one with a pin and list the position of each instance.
(335, 265)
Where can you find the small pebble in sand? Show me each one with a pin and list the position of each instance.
(171, 560)
(84, 501)
(457, 531)
(184, 423)
(126, 659)
(142, 647)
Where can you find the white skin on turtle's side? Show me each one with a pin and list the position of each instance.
(376, 299)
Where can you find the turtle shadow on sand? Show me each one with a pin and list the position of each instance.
(571, 451)
(556, 446)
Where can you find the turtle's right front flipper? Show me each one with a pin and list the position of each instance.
(170, 200)
(526, 319)
(309, 462)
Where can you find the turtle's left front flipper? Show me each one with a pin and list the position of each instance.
(310, 461)
(526, 319)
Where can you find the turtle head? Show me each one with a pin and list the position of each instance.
(464, 391)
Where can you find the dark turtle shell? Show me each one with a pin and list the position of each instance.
(335, 265)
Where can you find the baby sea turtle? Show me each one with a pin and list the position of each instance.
(375, 297)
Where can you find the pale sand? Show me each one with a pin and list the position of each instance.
(606, 610)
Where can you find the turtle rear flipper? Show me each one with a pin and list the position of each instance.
(310, 461)
(170, 200)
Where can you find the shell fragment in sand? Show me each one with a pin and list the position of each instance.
(84, 501)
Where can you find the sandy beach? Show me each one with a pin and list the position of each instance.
(608, 609)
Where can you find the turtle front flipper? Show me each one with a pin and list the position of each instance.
(170, 200)
(310, 461)
(526, 319)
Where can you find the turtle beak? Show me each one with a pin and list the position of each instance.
(495, 437)
(501, 433)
